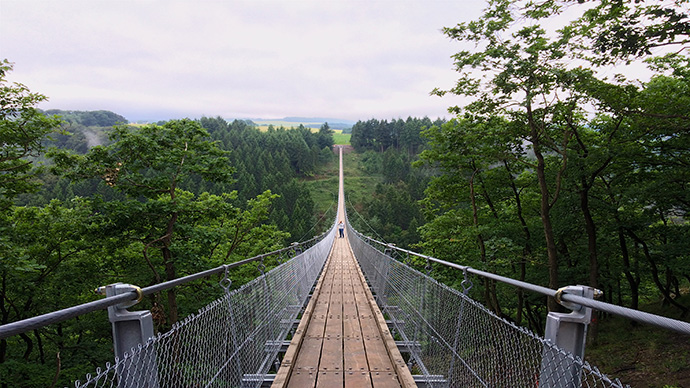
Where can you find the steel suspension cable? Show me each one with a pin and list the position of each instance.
(37, 322)
(636, 315)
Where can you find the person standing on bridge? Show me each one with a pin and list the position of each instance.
(341, 229)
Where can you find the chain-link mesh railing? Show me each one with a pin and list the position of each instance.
(232, 342)
(453, 341)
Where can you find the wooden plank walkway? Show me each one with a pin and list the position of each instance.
(342, 339)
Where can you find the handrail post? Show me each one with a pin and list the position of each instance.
(567, 332)
(131, 330)
(297, 248)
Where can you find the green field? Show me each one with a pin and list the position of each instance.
(341, 138)
(338, 136)
(263, 124)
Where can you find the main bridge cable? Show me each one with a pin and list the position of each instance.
(319, 220)
(40, 321)
(636, 315)
(364, 220)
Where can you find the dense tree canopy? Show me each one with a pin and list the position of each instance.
(616, 30)
(547, 146)
(388, 149)
(379, 135)
(22, 131)
(139, 204)
(96, 118)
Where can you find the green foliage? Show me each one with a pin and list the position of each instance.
(97, 118)
(22, 130)
(615, 30)
(174, 228)
(150, 160)
(400, 134)
(596, 166)
(42, 250)
(384, 201)
(138, 205)
(325, 137)
(275, 160)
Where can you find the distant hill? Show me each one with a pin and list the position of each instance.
(94, 118)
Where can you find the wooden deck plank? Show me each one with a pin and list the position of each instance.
(355, 356)
(359, 379)
(300, 378)
(329, 379)
(384, 380)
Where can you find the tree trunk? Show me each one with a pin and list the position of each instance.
(545, 213)
(170, 271)
(633, 281)
(520, 295)
(41, 351)
(489, 291)
(655, 275)
(591, 230)
(29, 346)
(527, 248)
(170, 274)
(534, 320)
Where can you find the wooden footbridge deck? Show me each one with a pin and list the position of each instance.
(342, 339)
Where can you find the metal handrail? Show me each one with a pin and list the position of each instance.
(40, 321)
(636, 315)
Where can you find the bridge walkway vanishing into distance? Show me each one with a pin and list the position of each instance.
(342, 339)
(371, 321)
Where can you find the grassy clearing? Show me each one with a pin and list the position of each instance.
(262, 125)
(324, 187)
(358, 185)
(324, 192)
(341, 138)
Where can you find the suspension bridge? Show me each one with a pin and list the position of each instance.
(345, 312)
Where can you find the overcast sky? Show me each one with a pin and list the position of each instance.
(156, 60)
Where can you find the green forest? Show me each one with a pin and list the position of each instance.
(88, 200)
(559, 169)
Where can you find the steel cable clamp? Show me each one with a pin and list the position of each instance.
(121, 288)
(466, 283)
(583, 291)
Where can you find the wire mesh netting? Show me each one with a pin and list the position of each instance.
(232, 342)
(453, 341)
